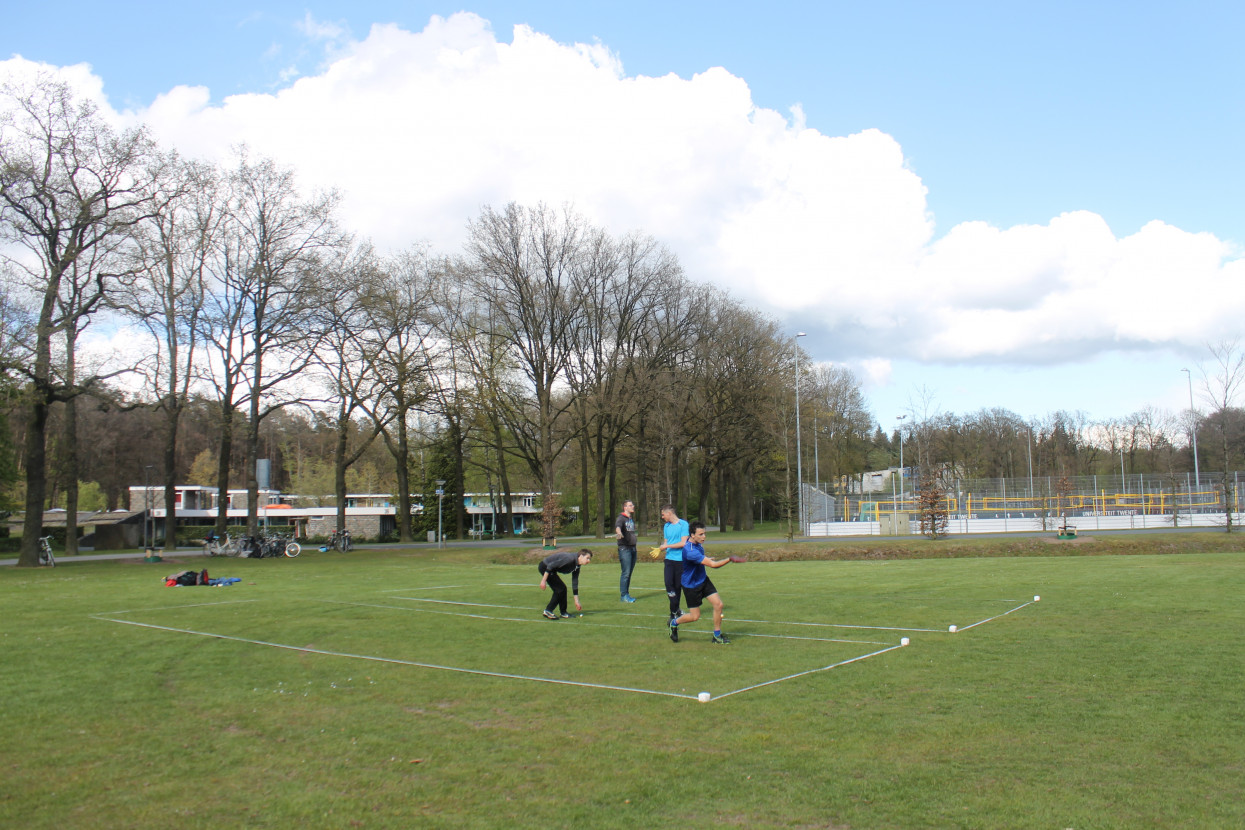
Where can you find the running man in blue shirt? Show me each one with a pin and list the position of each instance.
(698, 587)
(675, 533)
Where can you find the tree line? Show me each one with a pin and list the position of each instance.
(549, 354)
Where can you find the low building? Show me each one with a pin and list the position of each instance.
(368, 515)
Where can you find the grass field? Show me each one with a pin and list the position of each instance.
(423, 689)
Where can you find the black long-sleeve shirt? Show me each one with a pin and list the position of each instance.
(566, 562)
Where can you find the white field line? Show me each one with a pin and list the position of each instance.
(527, 620)
(843, 625)
(803, 673)
(175, 607)
(308, 650)
(578, 622)
(997, 616)
(429, 588)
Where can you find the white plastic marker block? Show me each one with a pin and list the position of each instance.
(1037, 599)
(703, 697)
(951, 628)
(904, 641)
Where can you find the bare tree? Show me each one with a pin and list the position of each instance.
(165, 297)
(69, 186)
(626, 332)
(282, 249)
(526, 266)
(398, 304)
(1221, 387)
(352, 381)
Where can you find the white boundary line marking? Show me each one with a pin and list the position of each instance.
(579, 623)
(844, 625)
(995, 617)
(396, 661)
(508, 676)
(803, 673)
(175, 607)
(732, 619)
(429, 588)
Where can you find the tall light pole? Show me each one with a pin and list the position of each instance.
(799, 465)
(1030, 462)
(1123, 480)
(901, 481)
(440, 495)
(1197, 476)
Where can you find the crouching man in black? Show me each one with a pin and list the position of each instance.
(562, 563)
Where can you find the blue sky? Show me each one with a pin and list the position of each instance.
(1009, 115)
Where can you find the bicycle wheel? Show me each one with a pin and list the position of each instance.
(293, 549)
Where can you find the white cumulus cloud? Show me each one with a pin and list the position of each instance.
(420, 129)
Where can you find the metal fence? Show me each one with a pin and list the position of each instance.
(1034, 503)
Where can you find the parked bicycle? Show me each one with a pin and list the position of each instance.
(214, 545)
(339, 540)
(277, 545)
(45, 552)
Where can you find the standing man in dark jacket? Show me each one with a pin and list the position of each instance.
(565, 562)
(624, 532)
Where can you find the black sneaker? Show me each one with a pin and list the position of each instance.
(674, 632)
(549, 614)
(565, 616)
(721, 640)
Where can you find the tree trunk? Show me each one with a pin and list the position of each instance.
(173, 416)
(504, 476)
(401, 455)
(249, 462)
(34, 457)
(705, 482)
(222, 469)
(459, 437)
(583, 486)
(339, 471)
(641, 478)
(70, 466)
(602, 506)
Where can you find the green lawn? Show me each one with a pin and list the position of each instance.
(411, 690)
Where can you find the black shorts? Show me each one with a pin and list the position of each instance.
(695, 596)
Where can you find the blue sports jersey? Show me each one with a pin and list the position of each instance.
(674, 533)
(693, 565)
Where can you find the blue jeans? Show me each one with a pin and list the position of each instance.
(626, 560)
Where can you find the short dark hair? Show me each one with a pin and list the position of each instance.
(695, 526)
(669, 507)
(582, 551)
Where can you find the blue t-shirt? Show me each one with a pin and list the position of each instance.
(675, 532)
(693, 565)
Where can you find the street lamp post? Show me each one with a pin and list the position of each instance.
(1030, 462)
(901, 481)
(799, 465)
(1197, 476)
(440, 495)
